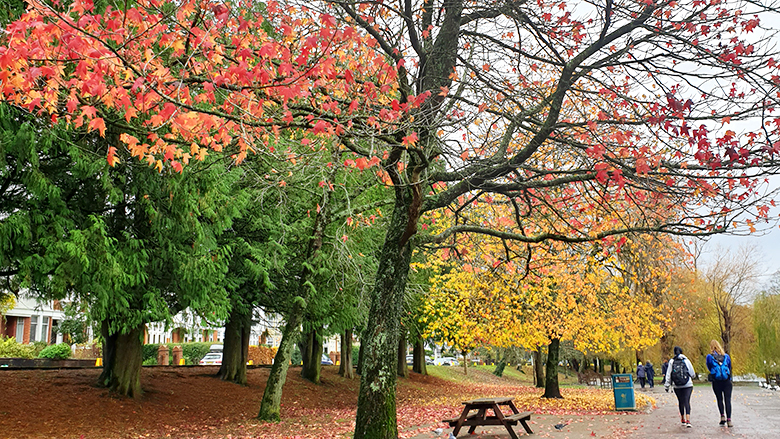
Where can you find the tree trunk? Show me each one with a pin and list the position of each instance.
(538, 367)
(726, 333)
(595, 364)
(235, 352)
(601, 366)
(305, 345)
(418, 363)
(551, 388)
(312, 369)
(361, 356)
(403, 369)
(465, 363)
(122, 359)
(270, 405)
(376, 411)
(499, 371)
(345, 368)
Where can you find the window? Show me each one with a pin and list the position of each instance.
(33, 327)
(20, 329)
(44, 329)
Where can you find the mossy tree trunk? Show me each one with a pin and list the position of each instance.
(235, 352)
(538, 367)
(270, 405)
(122, 359)
(499, 370)
(361, 357)
(551, 387)
(312, 365)
(345, 368)
(403, 370)
(376, 412)
(418, 361)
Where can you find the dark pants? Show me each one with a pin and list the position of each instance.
(642, 382)
(650, 381)
(722, 391)
(684, 399)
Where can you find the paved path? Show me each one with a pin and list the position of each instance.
(756, 415)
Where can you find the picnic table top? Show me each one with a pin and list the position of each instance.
(482, 401)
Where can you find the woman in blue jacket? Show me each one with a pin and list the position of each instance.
(719, 365)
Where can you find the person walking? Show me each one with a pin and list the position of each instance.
(650, 372)
(664, 366)
(640, 373)
(719, 365)
(678, 376)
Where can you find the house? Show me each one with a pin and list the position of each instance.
(31, 320)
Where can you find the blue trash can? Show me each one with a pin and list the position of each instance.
(623, 386)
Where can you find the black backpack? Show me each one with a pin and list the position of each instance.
(680, 373)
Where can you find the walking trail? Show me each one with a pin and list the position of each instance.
(756, 415)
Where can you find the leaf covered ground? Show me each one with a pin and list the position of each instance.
(188, 402)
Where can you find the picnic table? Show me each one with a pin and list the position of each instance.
(475, 413)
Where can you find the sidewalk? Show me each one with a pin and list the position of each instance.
(755, 412)
(756, 415)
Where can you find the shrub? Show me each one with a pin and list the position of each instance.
(296, 359)
(193, 352)
(261, 354)
(10, 348)
(39, 346)
(56, 352)
(149, 362)
(149, 352)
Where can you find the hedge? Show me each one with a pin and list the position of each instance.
(10, 348)
(192, 352)
(57, 352)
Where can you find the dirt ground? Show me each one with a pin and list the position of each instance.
(186, 402)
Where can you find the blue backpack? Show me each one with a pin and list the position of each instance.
(720, 371)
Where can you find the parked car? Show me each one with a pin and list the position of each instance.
(326, 360)
(410, 360)
(211, 358)
(446, 361)
(428, 361)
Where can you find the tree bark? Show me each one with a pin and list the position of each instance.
(465, 363)
(361, 356)
(376, 412)
(312, 369)
(345, 368)
(727, 328)
(499, 371)
(538, 367)
(270, 405)
(403, 369)
(235, 352)
(551, 388)
(418, 363)
(122, 359)
(305, 345)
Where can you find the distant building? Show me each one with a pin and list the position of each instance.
(30, 321)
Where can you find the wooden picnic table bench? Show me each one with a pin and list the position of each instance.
(475, 413)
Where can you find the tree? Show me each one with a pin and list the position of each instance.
(766, 321)
(460, 116)
(731, 281)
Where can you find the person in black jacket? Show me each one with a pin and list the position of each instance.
(664, 366)
(650, 372)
